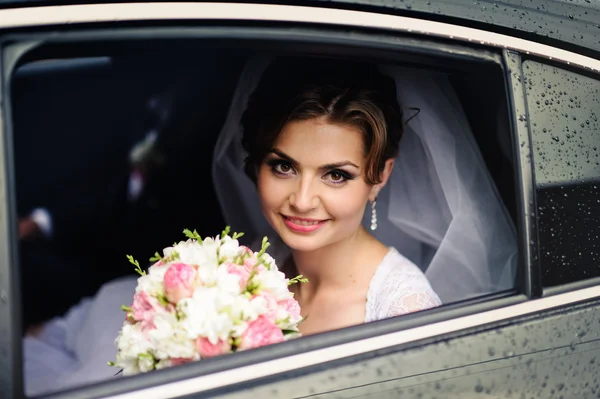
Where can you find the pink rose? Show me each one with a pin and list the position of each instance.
(260, 332)
(240, 271)
(208, 349)
(271, 302)
(244, 250)
(144, 307)
(251, 264)
(292, 307)
(179, 282)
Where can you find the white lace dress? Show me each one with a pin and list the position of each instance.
(397, 288)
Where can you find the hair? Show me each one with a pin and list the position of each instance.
(356, 95)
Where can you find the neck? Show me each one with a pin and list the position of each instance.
(336, 264)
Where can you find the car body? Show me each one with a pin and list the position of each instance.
(541, 339)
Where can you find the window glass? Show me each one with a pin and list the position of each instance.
(136, 148)
(564, 112)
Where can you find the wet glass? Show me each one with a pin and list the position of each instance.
(563, 111)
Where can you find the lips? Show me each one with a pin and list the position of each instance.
(303, 225)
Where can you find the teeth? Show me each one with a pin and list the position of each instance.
(303, 222)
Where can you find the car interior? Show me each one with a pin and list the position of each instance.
(82, 114)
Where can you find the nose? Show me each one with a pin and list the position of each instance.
(304, 197)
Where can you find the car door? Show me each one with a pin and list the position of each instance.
(542, 338)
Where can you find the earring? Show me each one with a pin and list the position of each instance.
(373, 215)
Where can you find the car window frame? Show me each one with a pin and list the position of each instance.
(409, 323)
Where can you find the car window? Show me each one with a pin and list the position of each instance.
(128, 145)
(565, 132)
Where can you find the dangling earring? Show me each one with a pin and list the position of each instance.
(373, 215)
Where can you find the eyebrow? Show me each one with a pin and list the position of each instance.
(335, 165)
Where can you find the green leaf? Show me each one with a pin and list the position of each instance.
(298, 279)
(288, 332)
(134, 262)
(192, 234)
(251, 285)
(163, 300)
(264, 246)
(126, 308)
(226, 231)
(237, 235)
(112, 364)
(174, 255)
(156, 257)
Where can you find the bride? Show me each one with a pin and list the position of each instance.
(324, 148)
(320, 148)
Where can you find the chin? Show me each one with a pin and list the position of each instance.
(303, 244)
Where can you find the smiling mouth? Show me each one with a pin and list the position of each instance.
(303, 222)
(302, 225)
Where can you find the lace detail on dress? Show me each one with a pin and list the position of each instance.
(397, 288)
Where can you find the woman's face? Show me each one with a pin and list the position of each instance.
(312, 186)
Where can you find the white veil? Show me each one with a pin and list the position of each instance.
(440, 207)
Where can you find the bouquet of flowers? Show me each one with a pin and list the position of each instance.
(205, 298)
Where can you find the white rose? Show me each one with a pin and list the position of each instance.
(227, 283)
(204, 316)
(269, 261)
(158, 270)
(239, 329)
(229, 249)
(211, 246)
(168, 251)
(275, 282)
(193, 253)
(152, 283)
(146, 363)
(207, 275)
(170, 338)
(132, 342)
(283, 315)
(163, 364)
(129, 364)
(241, 309)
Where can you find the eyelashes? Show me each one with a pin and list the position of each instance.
(338, 176)
(281, 167)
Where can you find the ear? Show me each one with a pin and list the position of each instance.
(385, 175)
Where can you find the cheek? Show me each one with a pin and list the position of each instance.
(269, 187)
(346, 203)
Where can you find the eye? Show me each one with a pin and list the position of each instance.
(337, 176)
(281, 167)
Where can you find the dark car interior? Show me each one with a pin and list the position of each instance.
(77, 115)
(78, 111)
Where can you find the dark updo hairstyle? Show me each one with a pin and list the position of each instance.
(346, 93)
